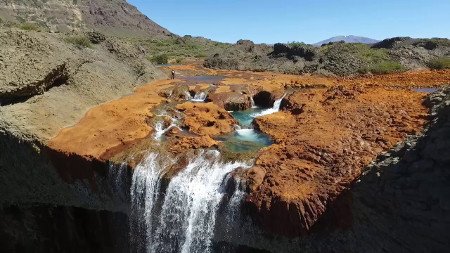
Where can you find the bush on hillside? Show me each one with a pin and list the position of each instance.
(29, 27)
(79, 41)
(439, 63)
(383, 67)
(96, 37)
(160, 59)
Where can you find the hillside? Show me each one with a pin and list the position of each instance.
(114, 17)
(342, 59)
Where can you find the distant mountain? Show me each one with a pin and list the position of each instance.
(115, 17)
(348, 39)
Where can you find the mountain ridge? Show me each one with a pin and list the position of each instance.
(348, 39)
(116, 17)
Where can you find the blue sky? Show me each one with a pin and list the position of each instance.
(310, 21)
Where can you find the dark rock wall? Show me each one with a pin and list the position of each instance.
(48, 228)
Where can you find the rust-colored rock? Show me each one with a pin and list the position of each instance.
(320, 151)
(206, 119)
(111, 127)
(328, 129)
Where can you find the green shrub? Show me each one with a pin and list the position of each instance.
(296, 44)
(79, 41)
(383, 67)
(439, 63)
(160, 59)
(29, 27)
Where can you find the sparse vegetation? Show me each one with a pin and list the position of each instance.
(29, 27)
(160, 59)
(180, 49)
(383, 67)
(297, 44)
(80, 41)
(439, 63)
(96, 37)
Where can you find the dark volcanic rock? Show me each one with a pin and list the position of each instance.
(247, 45)
(391, 42)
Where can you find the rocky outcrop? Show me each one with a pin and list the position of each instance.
(304, 51)
(56, 77)
(238, 103)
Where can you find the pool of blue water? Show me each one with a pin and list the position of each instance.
(203, 79)
(245, 138)
(426, 90)
(245, 118)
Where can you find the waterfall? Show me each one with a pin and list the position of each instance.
(182, 219)
(275, 108)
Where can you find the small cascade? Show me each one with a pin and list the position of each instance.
(187, 95)
(199, 97)
(160, 130)
(253, 103)
(275, 108)
(184, 218)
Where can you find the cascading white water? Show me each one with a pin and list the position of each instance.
(160, 130)
(253, 102)
(183, 219)
(275, 108)
(144, 194)
(187, 95)
(199, 97)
